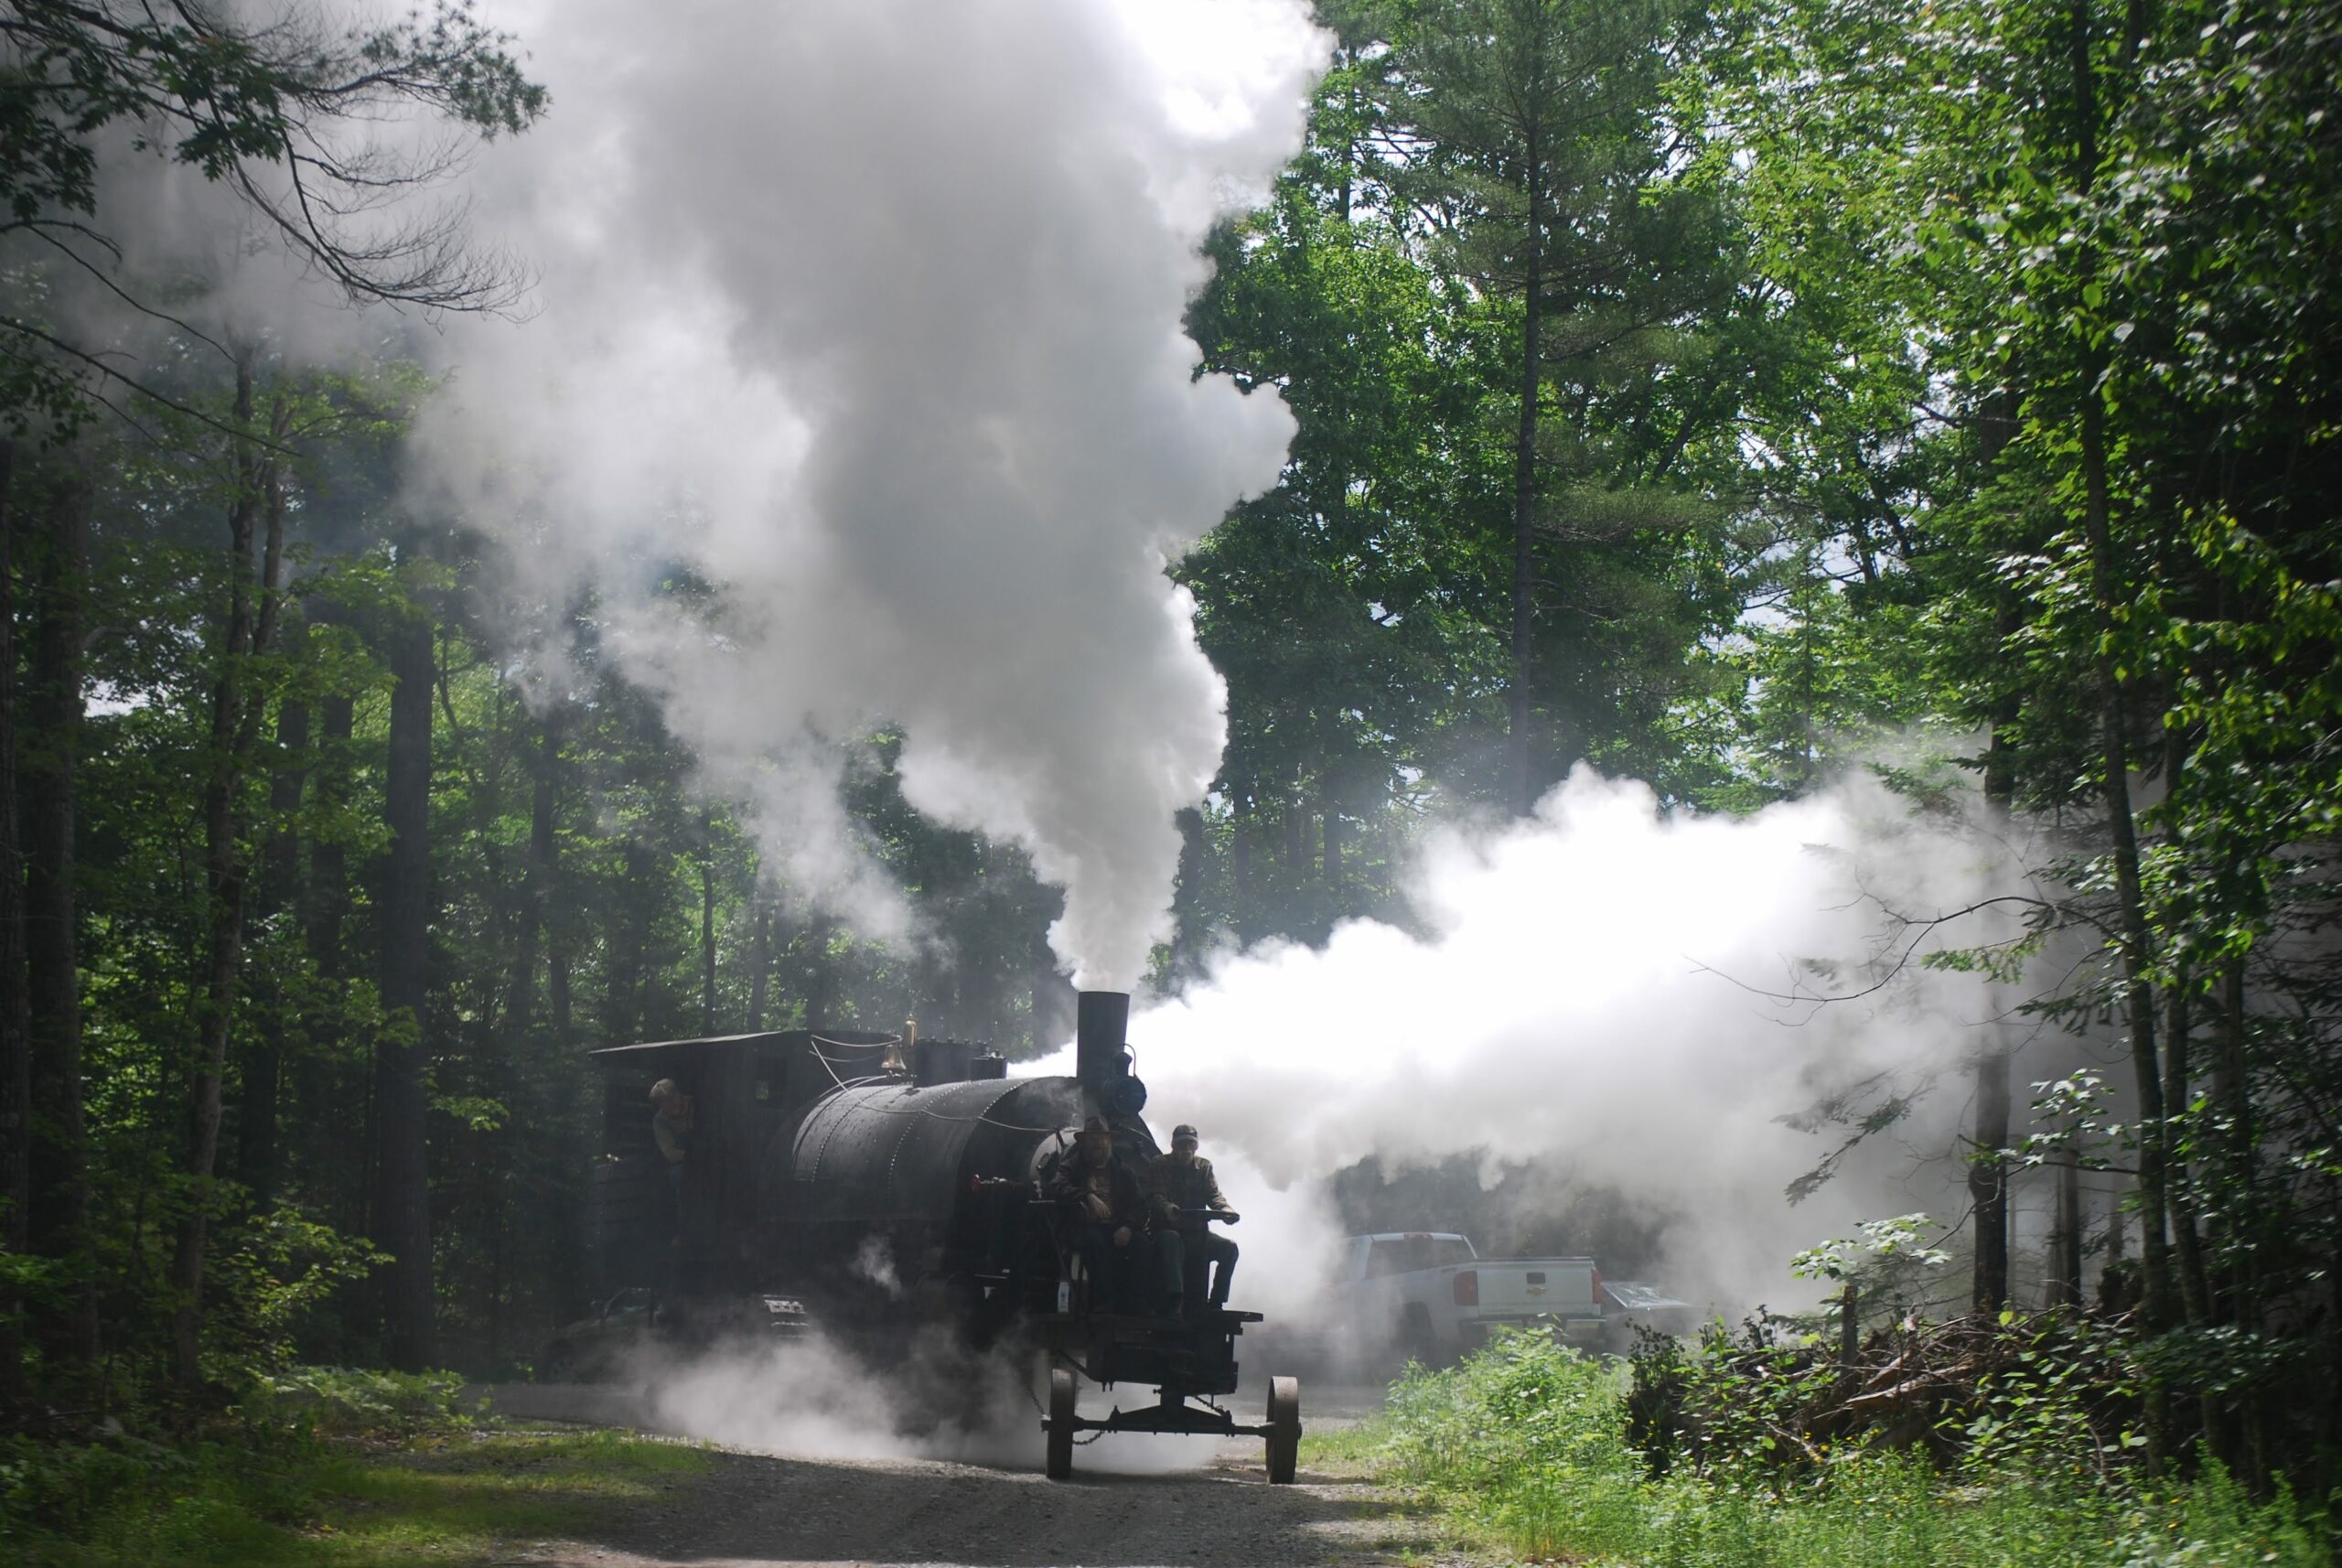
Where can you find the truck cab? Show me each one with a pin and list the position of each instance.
(1432, 1297)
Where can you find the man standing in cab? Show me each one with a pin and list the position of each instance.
(1102, 1202)
(1185, 1195)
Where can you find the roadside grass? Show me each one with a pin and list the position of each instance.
(1348, 1448)
(1523, 1450)
(273, 1497)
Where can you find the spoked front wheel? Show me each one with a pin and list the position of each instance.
(1063, 1392)
(1284, 1429)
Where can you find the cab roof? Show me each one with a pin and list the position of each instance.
(736, 1042)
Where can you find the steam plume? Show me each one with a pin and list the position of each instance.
(1582, 998)
(867, 318)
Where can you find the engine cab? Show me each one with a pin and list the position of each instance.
(885, 1185)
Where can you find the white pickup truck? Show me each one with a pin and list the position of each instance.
(1427, 1294)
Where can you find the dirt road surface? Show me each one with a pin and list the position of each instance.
(1215, 1510)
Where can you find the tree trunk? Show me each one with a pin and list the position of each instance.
(622, 989)
(16, 1045)
(537, 895)
(557, 913)
(1988, 1189)
(2178, 1095)
(321, 1088)
(257, 1110)
(2134, 941)
(759, 968)
(234, 732)
(1524, 500)
(1333, 861)
(51, 924)
(707, 923)
(2195, 1288)
(329, 890)
(402, 1092)
(2239, 1300)
(2066, 1235)
(2111, 1295)
(557, 975)
(821, 975)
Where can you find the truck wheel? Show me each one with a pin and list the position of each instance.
(1284, 1429)
(1416, 1342)
(1062, 1392)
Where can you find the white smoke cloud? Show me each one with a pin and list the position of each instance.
(1580, 998)
(868, 316)
(932, 1400)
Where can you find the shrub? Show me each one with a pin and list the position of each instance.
(1527, 1442)
(340, 1402)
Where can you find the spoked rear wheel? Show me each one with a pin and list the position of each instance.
(1284, 1429)
(1062, 1392)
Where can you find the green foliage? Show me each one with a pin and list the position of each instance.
(275, 1270)
(1880, 1240)
(1525, 1445)
(265, 1497)
(1908, 379)
(343, 1402)
(230, 98)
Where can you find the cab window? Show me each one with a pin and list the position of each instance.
(1405, 1254)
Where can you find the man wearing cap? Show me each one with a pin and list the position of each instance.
(1106, 1215)
(1181, 1190)
(670, 1129)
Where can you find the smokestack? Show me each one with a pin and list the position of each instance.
(1101, 1019)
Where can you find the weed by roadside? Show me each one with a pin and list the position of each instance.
(1525, 1446)
(321, 1470)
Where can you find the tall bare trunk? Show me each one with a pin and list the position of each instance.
(2195, 1286)
(327, 900)
(314, 1081)
(2178, 1095)
(1988, 1180)
(1517, 782)
(707, 923)
(1333, 859)
(48, 765)
(252, 617)
(622, 1007)
(257, 1108)
(1988, 1183)
(536, 897)
(2113, 1294)
(2066, 1235)
(402, 1095)
(2239, 1281)
(16, 1045)
(2134, 941)
(759, 968)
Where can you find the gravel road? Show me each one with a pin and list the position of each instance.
(780, 1510)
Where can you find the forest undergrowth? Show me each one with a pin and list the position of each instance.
(1531, 1448)
(322, 1469)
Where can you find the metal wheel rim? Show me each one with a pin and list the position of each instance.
(1064, 1394)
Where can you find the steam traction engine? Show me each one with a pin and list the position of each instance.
(883, 1188)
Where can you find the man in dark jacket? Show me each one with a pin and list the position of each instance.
(1105, 1214)
(1181, 1191)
